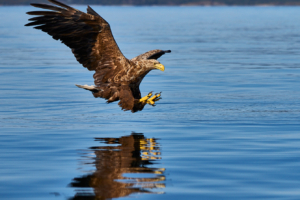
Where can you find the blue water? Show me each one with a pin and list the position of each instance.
(226, 128)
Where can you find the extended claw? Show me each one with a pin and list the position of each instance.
(149, 99)
(153, 99)
(157, 99)
(145, 98)
(158, 94)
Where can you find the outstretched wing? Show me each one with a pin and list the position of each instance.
(153, 54)
(87, 34)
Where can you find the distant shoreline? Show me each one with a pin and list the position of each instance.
(161, 2)
(179, 5)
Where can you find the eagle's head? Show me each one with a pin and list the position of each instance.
(142, 68)
(145, 66)
(146, 62)
(154, 64)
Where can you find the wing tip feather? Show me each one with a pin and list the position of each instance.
(92, 11)
(61, 4)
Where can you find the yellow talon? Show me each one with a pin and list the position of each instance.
(151, 100)
(145, 98)
(157, 99)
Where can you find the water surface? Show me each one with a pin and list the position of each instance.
(226, 128)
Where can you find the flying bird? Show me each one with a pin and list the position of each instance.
(90, 38)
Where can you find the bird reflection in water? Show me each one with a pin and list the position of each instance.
(122, 169)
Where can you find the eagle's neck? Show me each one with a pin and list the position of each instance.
(138, 71)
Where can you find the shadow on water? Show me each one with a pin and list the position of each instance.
(122, 168)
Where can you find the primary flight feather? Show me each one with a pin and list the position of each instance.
(90, 38)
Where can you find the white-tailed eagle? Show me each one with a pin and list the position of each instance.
(90, 38)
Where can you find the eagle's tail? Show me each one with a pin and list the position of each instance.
(87, 87)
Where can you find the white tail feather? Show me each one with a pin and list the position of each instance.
(87, 87)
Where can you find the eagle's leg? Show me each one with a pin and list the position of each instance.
(153, 99)
(150, 100)
(145, 98)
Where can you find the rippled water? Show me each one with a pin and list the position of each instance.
(226, 128)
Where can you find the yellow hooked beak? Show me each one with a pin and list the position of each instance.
(160, 67)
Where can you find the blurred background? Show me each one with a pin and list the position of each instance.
(163, 2)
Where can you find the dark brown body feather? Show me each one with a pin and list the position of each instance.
(90, 38)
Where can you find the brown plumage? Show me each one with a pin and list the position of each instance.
(90, 38)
